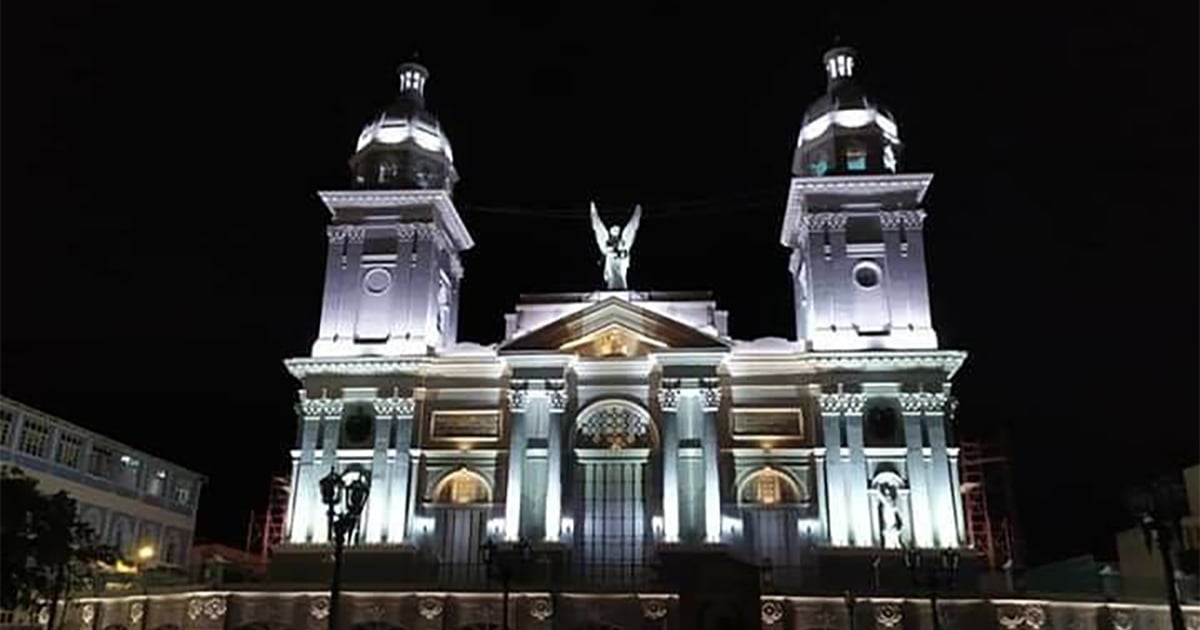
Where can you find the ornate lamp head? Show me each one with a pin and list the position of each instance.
(331, 488)
(357, 495)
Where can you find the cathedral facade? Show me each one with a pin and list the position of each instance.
(624, 460)
(612, 424)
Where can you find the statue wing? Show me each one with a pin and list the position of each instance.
(631, 228)
(599, 229)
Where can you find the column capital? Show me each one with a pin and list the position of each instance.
(394, 406)
(842, 402)
(926, 402)
(708, 389)
(323, 407)
(521, 391)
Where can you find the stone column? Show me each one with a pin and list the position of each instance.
(395, 530)
(671, 401)
(519, 404)
(918, 474)
(944, 517)
(306, 521)
(834, 406)
(705, 406)
(557, 403)
(378, 515)
(856, 479)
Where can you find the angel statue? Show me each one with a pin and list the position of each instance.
(615, 244)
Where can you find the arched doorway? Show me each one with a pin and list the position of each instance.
(461, 500)
(613, 440)
(772, 505)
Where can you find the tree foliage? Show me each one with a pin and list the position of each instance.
(48, 550)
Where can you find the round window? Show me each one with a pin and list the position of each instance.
(866, 275)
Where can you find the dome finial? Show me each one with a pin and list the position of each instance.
(412, 80)
(840, 62)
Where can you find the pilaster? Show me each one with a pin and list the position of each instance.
(835, 407)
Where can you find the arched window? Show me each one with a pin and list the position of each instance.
(614, 425)
(768, 487)
(462, 487)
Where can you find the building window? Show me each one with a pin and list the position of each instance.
(100, 462)
(35, 438)
(462, 486)
(183, 493)
(70, 450)
(819, 168)
(7, 420)
(769, 487)
(131, 468)
(767, 491)
(155, 487)
(856, 159)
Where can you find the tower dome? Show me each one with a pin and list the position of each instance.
(405, 147)
(844, 131)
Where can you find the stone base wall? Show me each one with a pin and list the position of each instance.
(309, 610)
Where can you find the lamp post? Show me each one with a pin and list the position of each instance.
(1159, 509)
(850, 601)
(939, 575)
(145, 554)
(344, 496)
(499, 564)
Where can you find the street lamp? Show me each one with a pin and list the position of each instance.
(939, 575)
(1159, 509)
(499, 564)
(344, 496)
(144, 554)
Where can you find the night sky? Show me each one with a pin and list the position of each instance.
(163, 243)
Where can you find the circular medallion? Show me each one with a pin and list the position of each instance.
(377, 280)
(866, 274)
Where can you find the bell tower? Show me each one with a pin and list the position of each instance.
(854, 224)
(393, 270)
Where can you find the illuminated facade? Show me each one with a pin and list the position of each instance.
(663, 474)
(608, 423)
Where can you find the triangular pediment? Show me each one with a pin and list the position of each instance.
(613, 328)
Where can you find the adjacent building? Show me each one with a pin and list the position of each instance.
(131, 499)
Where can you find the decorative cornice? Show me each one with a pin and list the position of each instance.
(908, 181)
(947, 361)
(354, 366)
(445, 214)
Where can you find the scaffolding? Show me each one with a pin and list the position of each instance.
(266, 531)
(987, 504)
